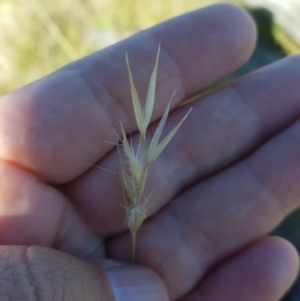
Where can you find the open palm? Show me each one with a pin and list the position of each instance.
(228, 177)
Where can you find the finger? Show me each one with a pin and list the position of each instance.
(221, 214)
(261, 272)
(57, 126)
(38, 273)
(222, 128)
(34, 213)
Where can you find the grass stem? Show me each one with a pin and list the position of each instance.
(133, 235)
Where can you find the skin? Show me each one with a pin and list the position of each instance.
(228, 177)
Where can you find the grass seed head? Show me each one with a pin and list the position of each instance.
(134, 163)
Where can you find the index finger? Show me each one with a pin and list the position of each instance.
(57, 126)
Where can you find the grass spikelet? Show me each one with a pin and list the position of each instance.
(134, 164)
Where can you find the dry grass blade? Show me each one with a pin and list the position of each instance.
(127, 185)
(151, 92)
(134, 166)
(138, 111)
(160, 147)
(159, 130)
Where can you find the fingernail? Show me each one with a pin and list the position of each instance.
(130, 283)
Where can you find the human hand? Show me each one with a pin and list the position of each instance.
(226, 179)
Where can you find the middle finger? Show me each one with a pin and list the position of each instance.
(222, 128)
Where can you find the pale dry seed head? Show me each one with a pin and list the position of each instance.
(134, 164)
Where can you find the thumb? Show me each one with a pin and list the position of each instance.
(39, 273)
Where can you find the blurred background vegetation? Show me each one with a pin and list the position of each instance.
(39, 36)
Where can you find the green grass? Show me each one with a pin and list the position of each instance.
(38, 37)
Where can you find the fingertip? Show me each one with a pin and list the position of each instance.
(282, 262)
(269, 266)
(243, 30)
(263, 270)
(219, 38)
